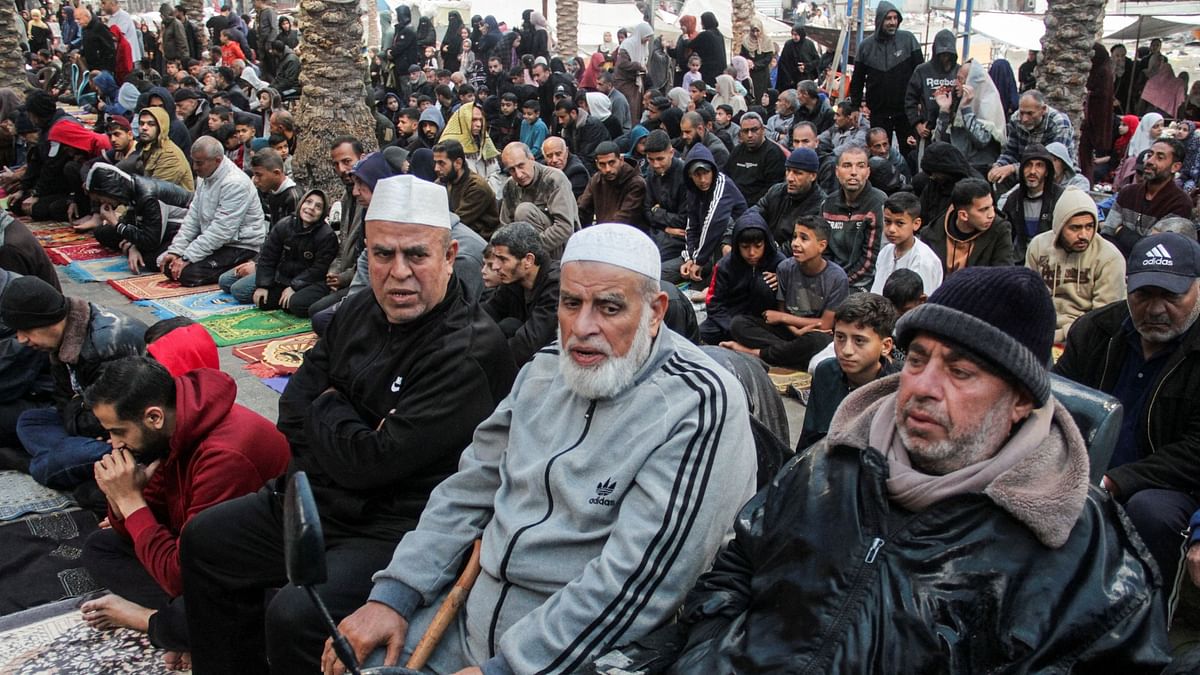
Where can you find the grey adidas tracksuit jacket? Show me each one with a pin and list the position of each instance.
(597, 517)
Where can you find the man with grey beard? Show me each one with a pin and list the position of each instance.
(1145, 351)
(601, 488)
(945, 524)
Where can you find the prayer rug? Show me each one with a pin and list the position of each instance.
(65, 255)
(155, 287)
(60, 236)
(276, 357)
(43, 225)
(30, 629)
(21, 494)
(253, 324)
(41, 561)
(100, 269)
(276, 384)
(195, 306)
(80, 649)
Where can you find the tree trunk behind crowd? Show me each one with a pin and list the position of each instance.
(1072, 27)
(567, 24)
(333, 102)
(12, 68)
(743, 11)
(372, 12)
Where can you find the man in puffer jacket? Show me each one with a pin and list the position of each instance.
(1082, 270)
(64, 441)
(155, 209)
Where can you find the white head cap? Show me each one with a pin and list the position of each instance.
(408, 199)
(616, 244)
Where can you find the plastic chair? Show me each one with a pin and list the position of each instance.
(1098, 417)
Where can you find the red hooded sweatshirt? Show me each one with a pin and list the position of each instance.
(185, 349)
(219, 451)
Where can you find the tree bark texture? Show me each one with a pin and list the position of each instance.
(1072, 27)
(567, 24)
(195, 14)
(12, 68)
(743, 11)
(371, 10)
(333, 102)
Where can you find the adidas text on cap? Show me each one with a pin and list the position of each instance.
(1168, 261)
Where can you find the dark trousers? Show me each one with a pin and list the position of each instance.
(894, 122)
(106, 235)
(1161, 519)
(231, 554)
(10, 412)
(112, 561)
(208, 270)
(301, 302)
(776, 344)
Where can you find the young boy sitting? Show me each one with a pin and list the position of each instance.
(901, 220)
(533, 129)
(810, 289)
(862, 341)
(744, 281)
(290, 270)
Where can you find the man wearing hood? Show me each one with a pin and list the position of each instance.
(540, 195)
(1083, 270)
(404, 43)
(179, 445)
(854, 211)
(155, 155)
(224, 226)
(713, 204)
(796, 196)
(938, 74)
(616, 193)
(172, 35)
(429, 129)
(963, 466)
(1029, 207)
(154, 209)
(755, 165)
(883, 65)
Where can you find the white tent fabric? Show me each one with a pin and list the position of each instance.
(1025, 31)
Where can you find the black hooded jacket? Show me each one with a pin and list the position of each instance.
(404, 43)
(941, 168)
(294, 254)
(919, 105)
(791, 56)
(883, 66)
(1014, 206)
(155, 207)
(739, 287)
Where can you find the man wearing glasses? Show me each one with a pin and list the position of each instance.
(755, 165)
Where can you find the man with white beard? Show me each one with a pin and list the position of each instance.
(601, 488)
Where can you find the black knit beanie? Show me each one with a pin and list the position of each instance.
(41, 104)
(1002, 314)
(29, 302)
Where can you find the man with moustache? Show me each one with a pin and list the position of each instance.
(620, 536)
(945, 523)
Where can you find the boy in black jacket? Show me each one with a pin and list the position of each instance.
(744, 281)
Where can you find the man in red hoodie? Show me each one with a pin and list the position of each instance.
(180, 445)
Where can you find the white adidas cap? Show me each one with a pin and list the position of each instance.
(615, 244)
(408, 199)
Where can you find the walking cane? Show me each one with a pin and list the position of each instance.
(447, 612)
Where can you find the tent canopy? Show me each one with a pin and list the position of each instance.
(1025, 31)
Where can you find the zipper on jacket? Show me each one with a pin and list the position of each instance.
(1153, 399)
(512, 543)
(874, 551)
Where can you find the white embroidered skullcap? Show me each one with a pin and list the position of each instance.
(616, 244)
(408, 199)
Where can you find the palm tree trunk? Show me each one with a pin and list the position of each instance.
(567, 25)
(743, 11)
(372, 14)
(11, 67)
(333, 102)
(1072, 27)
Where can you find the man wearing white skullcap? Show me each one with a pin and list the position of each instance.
(601, 487)
(377, 415)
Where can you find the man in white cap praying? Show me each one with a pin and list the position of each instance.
(377, 416)
(601, 488)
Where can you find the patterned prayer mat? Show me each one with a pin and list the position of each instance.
(60, 236)
(276, 357)
(195, 306)
(41, 561)
(65, 255)
(43, 225)
(100, 269)
(32, 628)
(79, 649)
(154, 287)
(253, 324)
(21, 494)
